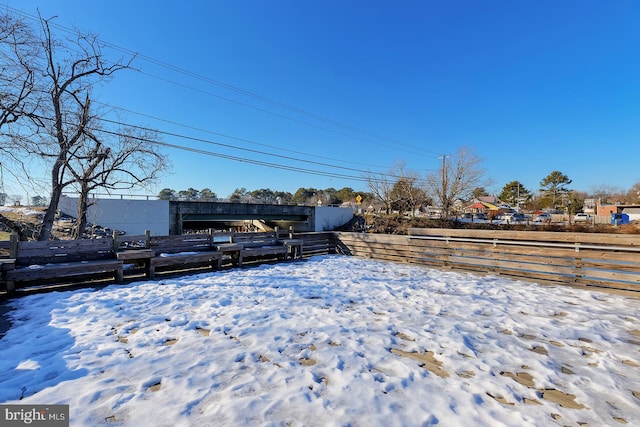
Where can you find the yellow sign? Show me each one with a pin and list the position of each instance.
(359, 199)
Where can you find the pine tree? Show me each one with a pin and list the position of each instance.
(554, 186)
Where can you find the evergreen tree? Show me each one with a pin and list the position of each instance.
(479, 192)
(239, 195)
(554, 186)
(264, 195)
(167, 194)
(515, 194)
(206, 195)
(189, 195)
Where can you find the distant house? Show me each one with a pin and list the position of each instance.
(490, 209)
(489, 199)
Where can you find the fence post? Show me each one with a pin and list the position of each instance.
(13, 252)
(114, 236)
(147, 242)
(291, 232)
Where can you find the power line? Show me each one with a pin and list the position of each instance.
(244, 159)
(273, 113)
(183, 71)
(257, 97)
(234, 137)
(254, 96)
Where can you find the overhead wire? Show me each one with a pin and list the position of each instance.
(273, 113)
(262, 98)
(248, 94)
(186, 72)
(369, 174)
(235, 137)
(245, 159)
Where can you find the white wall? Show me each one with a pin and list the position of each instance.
(328, 218)
(131, 216)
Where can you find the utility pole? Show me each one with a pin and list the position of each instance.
(2, 193)
(445, 209)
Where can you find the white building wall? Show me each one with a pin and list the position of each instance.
(328, 218)
(130, 216)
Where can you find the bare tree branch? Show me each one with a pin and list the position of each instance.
(457, 179)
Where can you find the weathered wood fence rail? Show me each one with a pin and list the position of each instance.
(69, 262)
(577, 259)
(581, 259)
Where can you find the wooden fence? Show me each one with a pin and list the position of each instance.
(318, 243)
(65, 263)
(579, 259)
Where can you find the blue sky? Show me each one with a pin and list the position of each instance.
(529, 86)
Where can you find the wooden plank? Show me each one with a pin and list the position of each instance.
(35, 252)
(181, 243)
(60, 272)
(611, 239)
(510, 265)
(262, 251)
(135, 255)
(211, 259)
(185, 260)
(630, 289)
(618, 276)
(256, 239)
(608, 265)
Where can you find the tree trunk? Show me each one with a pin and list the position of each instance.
(81, 219)
(56, 193)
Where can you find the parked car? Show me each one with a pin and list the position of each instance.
(513, 218)
(581, 217)
(543, 217)
(480, 216)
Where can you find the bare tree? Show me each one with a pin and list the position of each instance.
(457, 179)
(114, 161)
(61, 123)
(62, 129)
(381, 187)
(407, 188)
(17, 81)
(17, 75)
(68, 79)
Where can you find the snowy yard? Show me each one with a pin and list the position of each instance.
(332, 341)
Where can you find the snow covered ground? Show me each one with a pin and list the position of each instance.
(332, 341)
(25, 211)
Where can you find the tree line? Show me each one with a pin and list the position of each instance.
(461, 179)
(327, 196)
